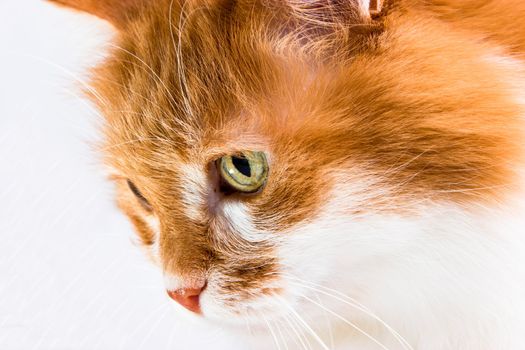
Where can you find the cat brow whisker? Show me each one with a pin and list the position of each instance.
(91, 90)
(158, 108)
(397, 168)
(68, 72)
(136, 140)
(178, 52)
(156, 105)
(120, 111)
(153, 73)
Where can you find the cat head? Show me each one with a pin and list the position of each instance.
(262, 148)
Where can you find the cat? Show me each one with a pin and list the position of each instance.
(350, 172)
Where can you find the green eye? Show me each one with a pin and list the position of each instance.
(246, 172)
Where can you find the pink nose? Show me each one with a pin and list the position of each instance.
(187, 297)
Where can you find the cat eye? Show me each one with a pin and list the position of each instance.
(246, 172)
(142, 200)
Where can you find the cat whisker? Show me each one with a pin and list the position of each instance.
(114, 312)
(351, 324)
(269, 326)
(298, 335)
(94, 300)
(247, 323)
(146, 319)
(328, 323)
(303, 323)
(300, 327)
(171, 339)
(281, 335)
(350, 301)
(153, 327)
(353, 303)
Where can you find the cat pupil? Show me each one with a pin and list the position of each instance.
(243, 165)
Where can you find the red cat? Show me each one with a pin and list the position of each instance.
(282, 160)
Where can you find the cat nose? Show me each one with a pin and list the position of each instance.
(187, 297)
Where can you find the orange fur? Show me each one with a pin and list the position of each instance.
(412, 99)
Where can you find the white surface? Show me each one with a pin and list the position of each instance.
(70, 276)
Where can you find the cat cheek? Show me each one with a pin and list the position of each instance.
(147, 225)
(153, 248)
(147, 228)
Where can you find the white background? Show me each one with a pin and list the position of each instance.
(70, 276)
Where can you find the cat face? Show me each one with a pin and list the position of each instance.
(349, 124)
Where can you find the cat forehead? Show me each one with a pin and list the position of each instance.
(201, 68)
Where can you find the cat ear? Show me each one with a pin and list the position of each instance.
(118, 12)
(356, 10)
(374, 7)
(371, 8)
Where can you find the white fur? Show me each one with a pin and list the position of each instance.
(450, 278)
(513, 72)
(194, 190)
(365, 7)
(172, 282)
(237, 216)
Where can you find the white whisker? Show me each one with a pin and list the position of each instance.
(298, 336)
(328, 323)
(281, 335)
(304, 323)
(351, 324)
(355, 304)
(276, 341)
